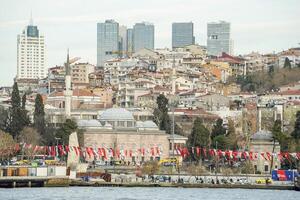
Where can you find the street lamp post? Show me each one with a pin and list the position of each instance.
(217, 165)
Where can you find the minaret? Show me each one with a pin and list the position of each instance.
(68, 91)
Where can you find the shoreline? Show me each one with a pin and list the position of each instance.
(16, 182)
(180, 185)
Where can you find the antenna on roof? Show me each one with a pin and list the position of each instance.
(31, 19)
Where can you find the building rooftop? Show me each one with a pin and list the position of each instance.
(116, 114)
(92, 123)
(262, 135)
(146, 125)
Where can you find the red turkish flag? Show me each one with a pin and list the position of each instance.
(198, 150)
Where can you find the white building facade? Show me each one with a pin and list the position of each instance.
(31, 56)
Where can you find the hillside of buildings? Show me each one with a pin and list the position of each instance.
(141, 97)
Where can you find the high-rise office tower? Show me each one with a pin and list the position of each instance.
(143, 36)
(130, 40)
(182, 34)
(31, 54)
(219, 38)
(107, 41)
(123, 40)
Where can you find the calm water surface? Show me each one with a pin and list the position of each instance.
(87, 193)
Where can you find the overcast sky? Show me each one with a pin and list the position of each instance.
(257, 25)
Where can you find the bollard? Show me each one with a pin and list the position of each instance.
(14, 184)
(29, 183)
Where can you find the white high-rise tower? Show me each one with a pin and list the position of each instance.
(31, 54)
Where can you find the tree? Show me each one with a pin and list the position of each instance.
(296, 133)
(287, 63)
(48, 138)
(218, 129)
(29, 135)
(17, 121)
(277, 133)
(162, 103)
(160, 114)
(199, 136)
(4, 119)
(24, 101)
(6, 145)
(220, 142)
(65, 131)
(247, 167)
(39, 114)
(24, 112)
(271, 70)
(231, 135)
(278, 136)
(150, 168)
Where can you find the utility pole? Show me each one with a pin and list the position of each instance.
(217, 165)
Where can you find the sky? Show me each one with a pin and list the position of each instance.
(264, 26)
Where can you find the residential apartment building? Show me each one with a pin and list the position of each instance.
(80, 72)
(31, 54)
(219, 38)
(107, 41)
(182, 34)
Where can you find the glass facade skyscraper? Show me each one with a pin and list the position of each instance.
(143, 36)
(219, 38)
(123, 40)
(107, 41)
(130, 40)
(182, 34)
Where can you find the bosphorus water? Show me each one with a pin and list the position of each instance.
(115, 193)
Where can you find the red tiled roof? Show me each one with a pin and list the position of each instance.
(290, 92)
(161, 88)
(250, 106)
(228, 58)
(294, 102)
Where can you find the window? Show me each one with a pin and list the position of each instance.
(266, 168)
(129, 124)
(121, 123)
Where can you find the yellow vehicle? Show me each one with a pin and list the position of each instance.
(49, 160)
(169, 162)
(263, 181)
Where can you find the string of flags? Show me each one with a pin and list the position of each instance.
(156, 151)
